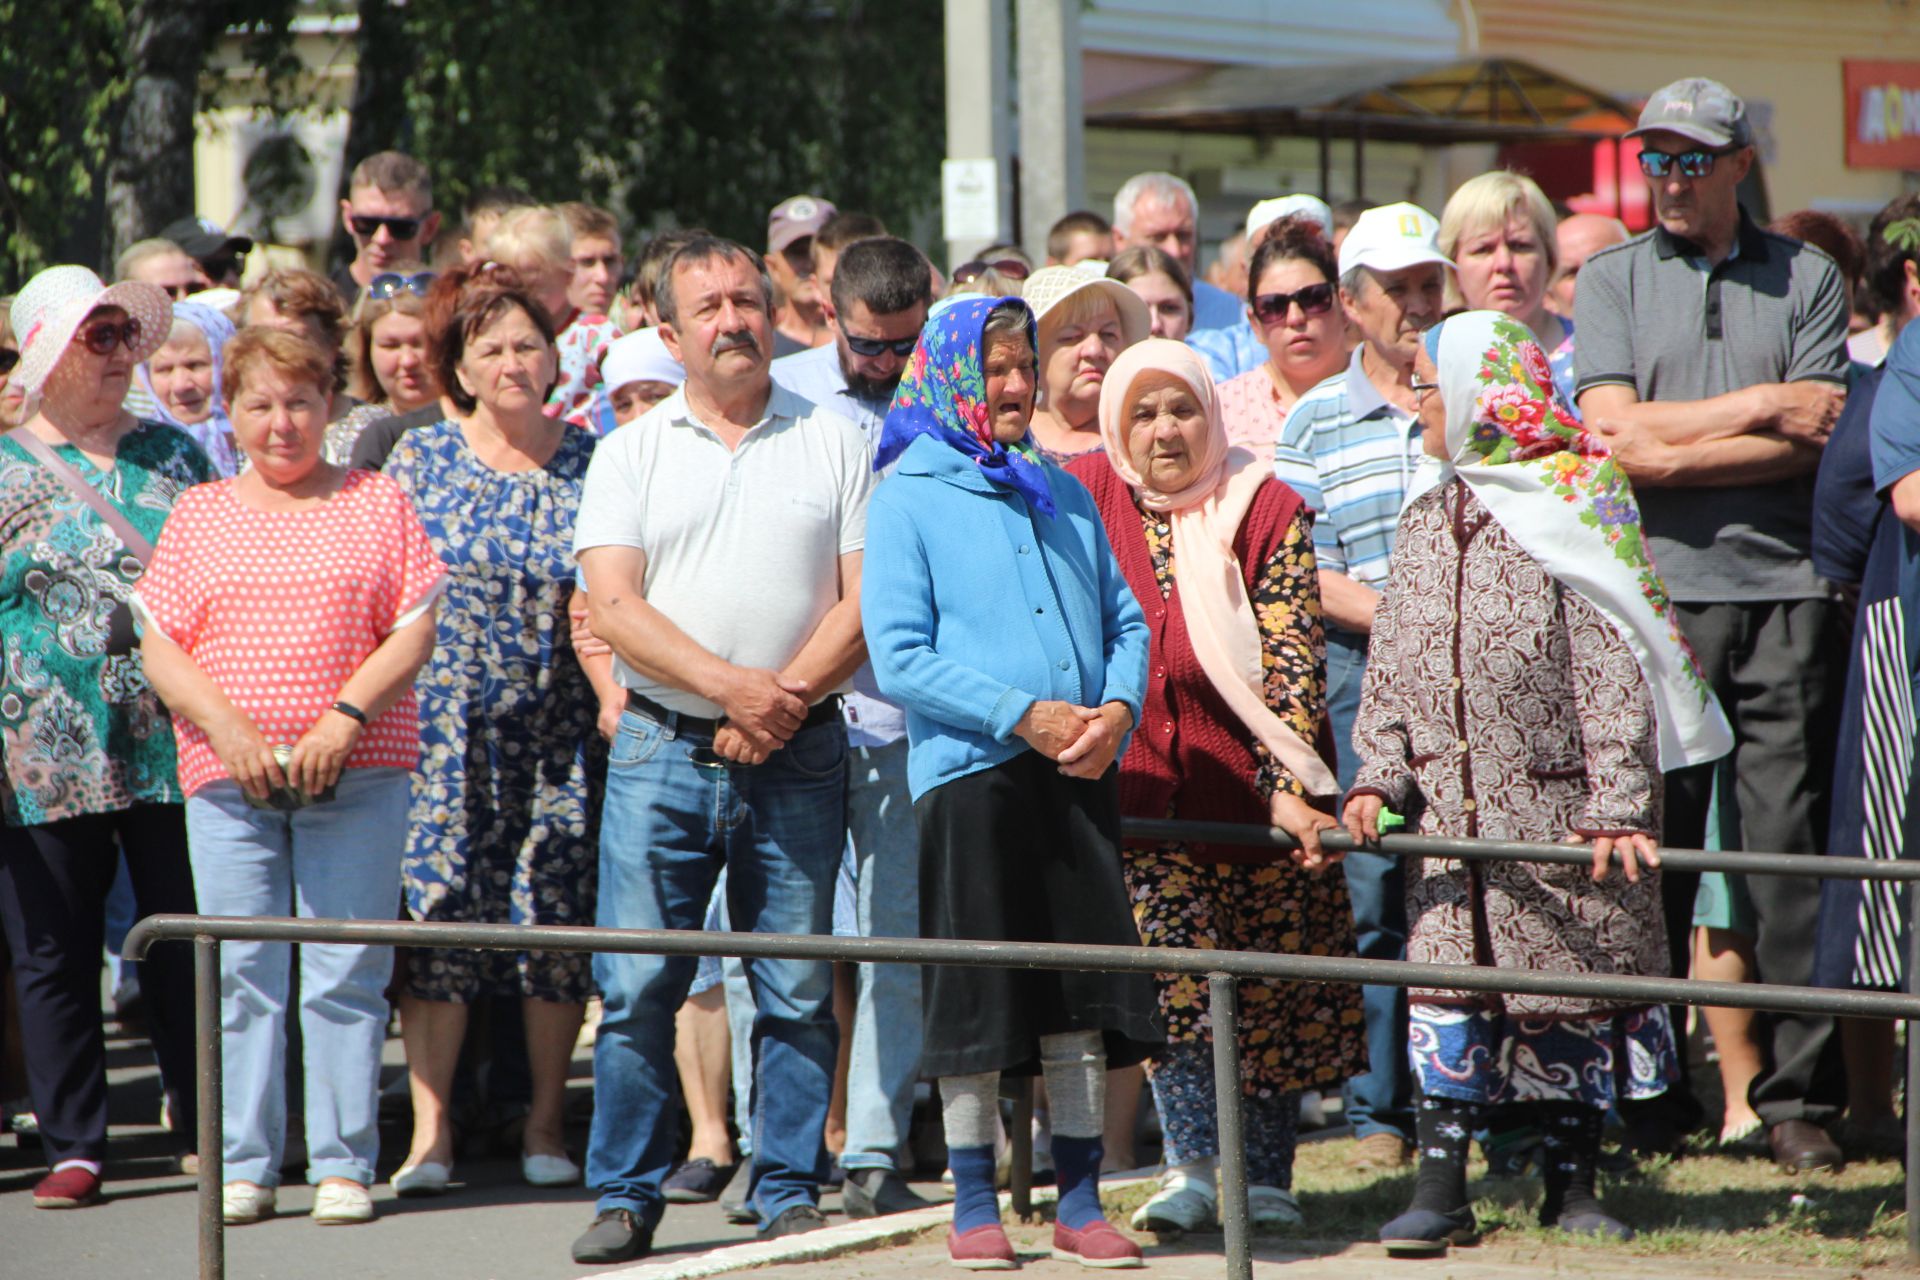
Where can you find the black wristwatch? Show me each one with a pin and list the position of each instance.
(351, 712)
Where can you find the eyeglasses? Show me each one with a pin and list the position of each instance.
(366, 226)
(1011, 268)
(1420, 388)
(870, 347)
(102, 338)
(8, 359)
(1693, 164)
(1314, 300)
(389, 284)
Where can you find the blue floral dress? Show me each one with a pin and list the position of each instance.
(505, 822)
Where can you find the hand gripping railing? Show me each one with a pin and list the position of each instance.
(1222, 970)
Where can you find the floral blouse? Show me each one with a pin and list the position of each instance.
(81, 730)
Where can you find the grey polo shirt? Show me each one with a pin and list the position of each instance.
(1653, 316)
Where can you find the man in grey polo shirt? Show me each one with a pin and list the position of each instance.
(1713, 358)
(720, 537)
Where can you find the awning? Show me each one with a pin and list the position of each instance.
(1480, 100)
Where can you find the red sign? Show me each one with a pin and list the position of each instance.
(1883, 114)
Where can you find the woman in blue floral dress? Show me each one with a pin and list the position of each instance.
(506, 803)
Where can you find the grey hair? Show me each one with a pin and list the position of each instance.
(1006, 321)
(1160, 188)
(1352, 278)
(705, 247)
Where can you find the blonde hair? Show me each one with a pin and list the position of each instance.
(535, 234)
(1491, 200)
(139, 251)
(1082, 306)
(989, 283)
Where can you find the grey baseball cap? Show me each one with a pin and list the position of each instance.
(1704, 110)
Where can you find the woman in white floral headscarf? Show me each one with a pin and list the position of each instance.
(1525, 681)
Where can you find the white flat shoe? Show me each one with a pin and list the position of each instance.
(1271, 1208)
(549, 1171)
(428, 1178)
(243, 1202)
(338, 1204)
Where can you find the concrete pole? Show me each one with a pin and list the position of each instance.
(979, 106)
(1052, 124)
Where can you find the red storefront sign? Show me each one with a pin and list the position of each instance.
(1883, 114)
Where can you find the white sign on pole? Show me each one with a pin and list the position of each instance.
(970, 199)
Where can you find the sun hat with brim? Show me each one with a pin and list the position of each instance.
(55, 303)
(1048, 287)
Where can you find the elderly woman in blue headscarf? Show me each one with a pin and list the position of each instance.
(996, 614)
(183, 378)
(1526, 681)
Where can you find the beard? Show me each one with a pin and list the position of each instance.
(861, 387)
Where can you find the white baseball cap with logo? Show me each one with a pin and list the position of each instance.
(1392, 237)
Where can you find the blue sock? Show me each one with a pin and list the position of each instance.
(975, 1202)
(1076, 1164)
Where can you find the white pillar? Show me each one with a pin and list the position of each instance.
(979, 108)
(1052, 124)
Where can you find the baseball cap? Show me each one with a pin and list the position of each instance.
(1392, 237)
(1268, 212)
(203, 238)
(796, 218)
(1704, 110)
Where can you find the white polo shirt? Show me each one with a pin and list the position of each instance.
(743, 545)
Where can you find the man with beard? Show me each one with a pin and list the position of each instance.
(882, 288)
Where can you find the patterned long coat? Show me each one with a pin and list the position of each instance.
(1499, 704)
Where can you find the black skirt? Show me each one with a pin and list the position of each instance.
(1020, 853)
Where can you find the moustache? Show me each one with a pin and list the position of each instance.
(733, 342)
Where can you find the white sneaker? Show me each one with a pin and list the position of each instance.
(243, 1202)
(342, 1203)
(1185, 1202)
(1270, 1208)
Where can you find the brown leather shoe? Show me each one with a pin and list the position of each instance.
(1385, 1152)
(1801, 1146)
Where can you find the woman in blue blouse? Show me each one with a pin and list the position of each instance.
(996, 615)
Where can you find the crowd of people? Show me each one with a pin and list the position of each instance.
(814, 591)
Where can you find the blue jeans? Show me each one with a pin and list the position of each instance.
(675, 814)
(338, 859)
(1380, 1101)
(886, 1019)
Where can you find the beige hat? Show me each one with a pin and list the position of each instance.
(1048, 287)
(48, 312)
(1311, 208)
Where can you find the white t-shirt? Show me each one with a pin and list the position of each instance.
(743, 546)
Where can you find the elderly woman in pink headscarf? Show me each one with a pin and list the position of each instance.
(1234, 729)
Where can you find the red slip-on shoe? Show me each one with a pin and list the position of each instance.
(1097, 1244)
(69, 1188)
(982, 1248)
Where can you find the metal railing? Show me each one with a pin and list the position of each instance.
(1222, 969)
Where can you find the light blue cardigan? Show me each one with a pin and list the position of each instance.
(975, 607)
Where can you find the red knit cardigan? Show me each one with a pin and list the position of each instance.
(1190, 757)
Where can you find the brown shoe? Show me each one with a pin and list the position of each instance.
(1383, 1152)
(1801, 1146)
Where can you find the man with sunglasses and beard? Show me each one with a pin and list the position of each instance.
(389, 213)
(1713, 359)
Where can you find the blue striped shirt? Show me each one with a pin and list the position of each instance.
(1350, 455)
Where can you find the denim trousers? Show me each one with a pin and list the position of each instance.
(1381, 1101)
(675, 815)
(338, 859)
(886, 1021)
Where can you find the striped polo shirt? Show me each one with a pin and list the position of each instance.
(1350, 455)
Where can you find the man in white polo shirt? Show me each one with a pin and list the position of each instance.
(720, 537)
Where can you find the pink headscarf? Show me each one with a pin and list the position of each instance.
(1206, 517)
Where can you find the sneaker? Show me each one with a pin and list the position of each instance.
(794, 1221)
(875, 1193)
(1183, 1203)
(1272, 1209)
(615, 1236)
(1386, 1152)
(733, 1201)
(1098, 1244)
(70, 1188)
(244, 1202)
(1313, 1111)
(983, 1248)
(697, 1182)
(341, 1204)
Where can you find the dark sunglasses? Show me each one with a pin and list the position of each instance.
(1314, 300)
(179, 292)
(1011, 268)
(8, 359)
(390, 284)
(102, 338)
(1693, 164)
(870, 347)
(367, 225)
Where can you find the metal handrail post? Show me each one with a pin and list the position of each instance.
(1913, 1080)
(1230, 1131)
(208, 1059)
(1020, 1144)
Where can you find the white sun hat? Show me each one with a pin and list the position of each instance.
(1311, 208)
(1048, 287)
(56, 302)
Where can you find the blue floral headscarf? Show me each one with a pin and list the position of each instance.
(943, 394)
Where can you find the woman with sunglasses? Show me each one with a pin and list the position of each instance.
(88, 754)
(1292, 286)
(1499, 229)
(388, 366)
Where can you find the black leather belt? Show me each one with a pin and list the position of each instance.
(826, 711)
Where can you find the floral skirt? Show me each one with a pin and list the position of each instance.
(1487, 1056)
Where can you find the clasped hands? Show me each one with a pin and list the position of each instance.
(1083, 741)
